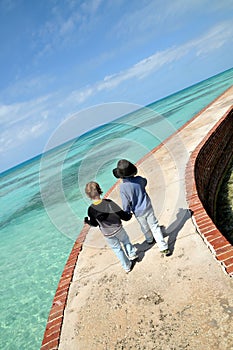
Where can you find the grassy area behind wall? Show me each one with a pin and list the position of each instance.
(224, 205)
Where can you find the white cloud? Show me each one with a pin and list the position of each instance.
(143, 68)
(6, 141)
(21, 134)
(27, 86)
(151, 17)
(8, 111)
(91, 6)
(138, 71)
(19, 112)
(82, 95)
(214, 39)
(38, 108)
(66, 25)
(28, 120)
(31, 131)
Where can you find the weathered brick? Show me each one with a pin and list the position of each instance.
(219, 242)
(224, 249)
(228, 253)
(207, 231)
(229, 261)
(214, 237)
(55, 313)
(53, 330)
(67, 271)
(53, 323)
(52, 345)
(60, 293)
(51, 337)
(229, 270)
(206, 226)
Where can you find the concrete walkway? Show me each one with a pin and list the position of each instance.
(184, 301)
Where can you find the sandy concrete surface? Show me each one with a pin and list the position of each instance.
(184, 301)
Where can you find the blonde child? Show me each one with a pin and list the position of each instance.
(108, 215)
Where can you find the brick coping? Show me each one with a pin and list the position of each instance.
(53, 328)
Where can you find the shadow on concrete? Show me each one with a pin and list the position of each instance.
(142, 248)
(174, 228)
(171, 232)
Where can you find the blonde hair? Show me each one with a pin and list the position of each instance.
(93, 189)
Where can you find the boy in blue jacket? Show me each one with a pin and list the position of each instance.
(136, 200)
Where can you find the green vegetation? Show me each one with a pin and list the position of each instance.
(224, 205)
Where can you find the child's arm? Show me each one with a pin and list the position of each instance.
(123, 215)
(91, 220)
(126, 204)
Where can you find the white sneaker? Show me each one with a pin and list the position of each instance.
(150, 241)
(133, 257)
(129, 268)
(166, 252)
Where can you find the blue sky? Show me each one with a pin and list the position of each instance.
(59, 57)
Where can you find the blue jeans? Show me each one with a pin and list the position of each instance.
(150, 226)
(116, 242)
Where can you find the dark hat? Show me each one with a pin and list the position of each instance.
(124, 169)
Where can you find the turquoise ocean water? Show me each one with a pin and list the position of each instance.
(43, 204)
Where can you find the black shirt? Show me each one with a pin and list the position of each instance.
(107, 215)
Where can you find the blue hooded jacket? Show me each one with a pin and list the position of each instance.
(134, 196)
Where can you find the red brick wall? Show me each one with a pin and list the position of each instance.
(204, 172)
(54, 324)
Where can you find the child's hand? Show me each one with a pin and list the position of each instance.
(125, 216)
(86, 220)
